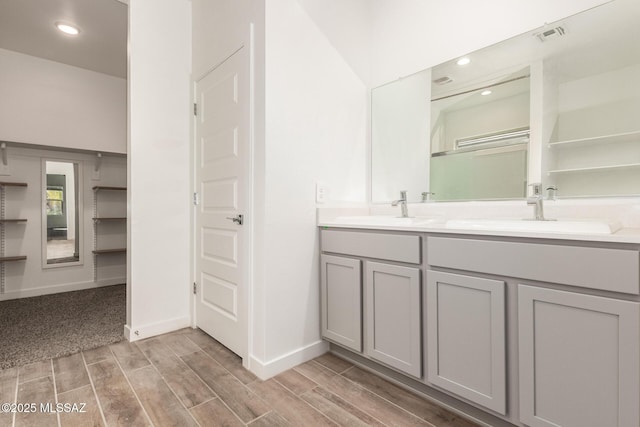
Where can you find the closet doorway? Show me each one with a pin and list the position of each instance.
(63, 129)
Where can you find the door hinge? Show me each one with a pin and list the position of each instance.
(196, 198)
(195, 287)
(195, 109)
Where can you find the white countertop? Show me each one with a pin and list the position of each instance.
(624, 235)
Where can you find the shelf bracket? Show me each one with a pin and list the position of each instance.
(3, 147)
(96, 169)
(98, 162)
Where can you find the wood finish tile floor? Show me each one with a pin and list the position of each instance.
(186, 378)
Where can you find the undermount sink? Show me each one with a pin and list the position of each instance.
(560, 226)
(382, 220)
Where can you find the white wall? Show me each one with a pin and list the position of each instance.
(158, 154)
(28, 278)
(411, 35)
(347, 26)
(316, 120)
(48, 103)
(220, 27)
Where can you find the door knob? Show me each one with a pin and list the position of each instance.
(238, 219)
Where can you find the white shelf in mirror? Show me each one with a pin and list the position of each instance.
(596, 168)
(613, 138)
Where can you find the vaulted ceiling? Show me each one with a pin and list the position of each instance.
(28, 26)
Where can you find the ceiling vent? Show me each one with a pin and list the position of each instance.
(443, 80)
(551, 33)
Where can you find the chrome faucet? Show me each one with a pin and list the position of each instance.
(537, 200)
(403, 203)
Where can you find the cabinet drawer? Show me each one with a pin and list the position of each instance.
(616, 270)
(392, 247)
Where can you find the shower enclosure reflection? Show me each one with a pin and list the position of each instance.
(479, 140)
(61, 212)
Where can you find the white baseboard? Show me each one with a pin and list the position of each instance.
(56, 289)
(138, 332)
(266, 370)
(127, 333)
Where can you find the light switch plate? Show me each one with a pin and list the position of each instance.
(321, 192)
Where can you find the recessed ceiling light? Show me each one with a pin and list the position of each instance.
(68, 28)
(485, 92)
(463, 61)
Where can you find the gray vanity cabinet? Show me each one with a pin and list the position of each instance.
(341, 300)
(579, 358)
(536, 333)
(393, 316)
(384, 321)
(466, 337)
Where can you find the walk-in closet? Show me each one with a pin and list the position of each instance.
(63, 177)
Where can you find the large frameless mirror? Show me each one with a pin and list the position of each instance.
(557, 105)
(61, 212)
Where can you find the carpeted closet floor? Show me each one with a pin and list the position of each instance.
(38, 328)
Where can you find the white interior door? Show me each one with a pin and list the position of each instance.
(222, 159)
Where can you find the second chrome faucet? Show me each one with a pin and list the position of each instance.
(403, 204)
(537, 200)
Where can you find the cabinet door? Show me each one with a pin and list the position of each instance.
(393, 316)
(341, 300)
(466, 337)
(579, 359)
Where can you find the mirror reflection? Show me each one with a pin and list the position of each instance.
(558, 105)
(591, 135)
(61, 209)
(479, 140)
(400, 135)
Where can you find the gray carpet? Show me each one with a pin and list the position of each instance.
(38, 328)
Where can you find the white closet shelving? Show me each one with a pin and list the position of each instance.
(3, 223)
(97, 220)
